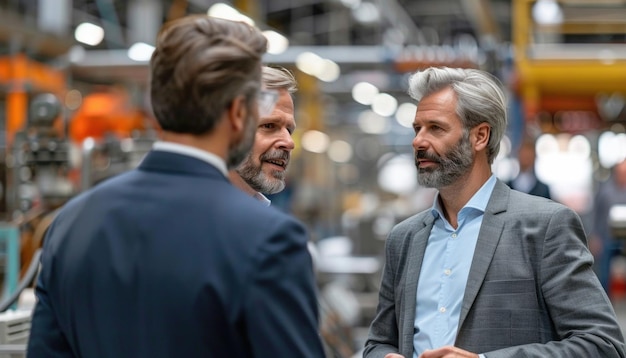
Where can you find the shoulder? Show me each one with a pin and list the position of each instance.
(537, 209)
(413, 222)
(407, 228)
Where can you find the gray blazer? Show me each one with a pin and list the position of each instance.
(531, 291)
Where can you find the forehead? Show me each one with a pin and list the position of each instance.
(284, 104)
(283, 109)
(437, 105)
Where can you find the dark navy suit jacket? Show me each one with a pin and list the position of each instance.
(539, 189)
(171, 260)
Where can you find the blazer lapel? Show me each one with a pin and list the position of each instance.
(488, 238)
(415, 257)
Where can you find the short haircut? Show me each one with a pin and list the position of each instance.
(199, 66)
(480, 98)
(279, 78)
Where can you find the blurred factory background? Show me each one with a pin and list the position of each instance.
(74, 111)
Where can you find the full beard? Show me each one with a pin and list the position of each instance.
(452, 166)
(257, 179)
(239, 152)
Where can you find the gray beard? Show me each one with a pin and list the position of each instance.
(239, 152)
(257, 179)
(452, 166)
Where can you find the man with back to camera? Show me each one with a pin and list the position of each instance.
(487, 271)
(171, 259)
(264, 169)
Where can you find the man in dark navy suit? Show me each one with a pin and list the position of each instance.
(170, 259)
(526, 181)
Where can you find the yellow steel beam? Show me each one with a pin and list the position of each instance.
(482, 17)
(586, 28)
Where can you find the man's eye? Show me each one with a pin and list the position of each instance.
(267, 125)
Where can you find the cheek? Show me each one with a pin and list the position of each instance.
(262, 144)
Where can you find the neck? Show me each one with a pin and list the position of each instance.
(454, 197)
(238, 181)
(209, 142)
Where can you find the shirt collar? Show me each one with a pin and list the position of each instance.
(262, 198)
(478, 201)
(203, 155)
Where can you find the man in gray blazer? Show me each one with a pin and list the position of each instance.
(487, 271)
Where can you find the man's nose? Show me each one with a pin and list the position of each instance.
(419, 141)
(286, 141)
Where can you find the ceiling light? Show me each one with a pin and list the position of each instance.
(366, 13)
(227, 12)
(89, 34)
(276, 43)
(330, 71)
(340, 151)
(315, 141)
(547, 12)
(364, 92)
(406, 114)
(384, 104)
(140, 52)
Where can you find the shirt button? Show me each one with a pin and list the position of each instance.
(447, 272)
(454, 235)
(442, 309)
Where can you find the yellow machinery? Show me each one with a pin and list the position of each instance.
(573, 75)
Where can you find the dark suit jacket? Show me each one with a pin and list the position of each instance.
(539, 189)
(171, 260)
(531, 291)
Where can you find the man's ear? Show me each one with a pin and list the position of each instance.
(237, 114)
(481, 134)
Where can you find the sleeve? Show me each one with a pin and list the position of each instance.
(383, 337)
(46, 339)
(281, 305)
(581, 313)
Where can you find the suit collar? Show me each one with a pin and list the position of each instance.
(488, 238)
(204, 155)
(415, 257)
(169, 162)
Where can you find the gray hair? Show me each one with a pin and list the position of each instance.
(279, 78)
(480, 98)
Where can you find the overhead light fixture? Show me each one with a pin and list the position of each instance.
(384, 104)
(340, 151)
(405, 114)
(366, 13)
(276, 43)
(89, 34)
(364, 92)
(315, 141)
(227, 12)
(330, 71)
(140, 52)
(547, 12)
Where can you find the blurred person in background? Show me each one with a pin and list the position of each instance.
(487, 271)
(526, 181)
(171, 259)
(264, 169)
(602, 242)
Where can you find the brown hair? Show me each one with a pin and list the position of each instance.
(199, 66)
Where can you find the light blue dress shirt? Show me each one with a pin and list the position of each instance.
(444, 272)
